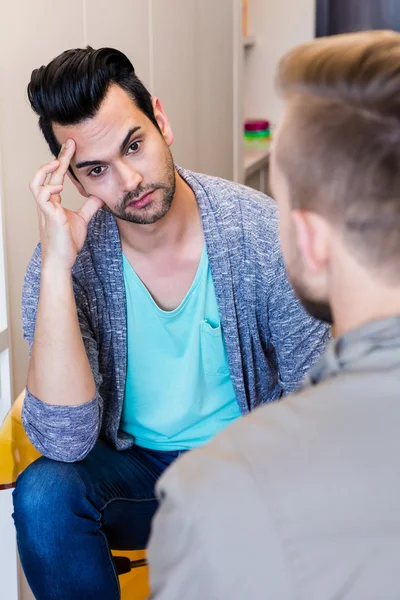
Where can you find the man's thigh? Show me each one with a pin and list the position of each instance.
(109, 474)
(121, 486)
(114, 490)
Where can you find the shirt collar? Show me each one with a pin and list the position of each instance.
(373, 345)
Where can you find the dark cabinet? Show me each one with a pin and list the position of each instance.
(343, 16)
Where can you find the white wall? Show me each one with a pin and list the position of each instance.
(278, 25)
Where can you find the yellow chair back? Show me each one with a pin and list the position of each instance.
(17, 453)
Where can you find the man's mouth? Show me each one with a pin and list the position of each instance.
(145, 199)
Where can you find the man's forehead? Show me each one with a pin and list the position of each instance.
(99, 140)
(117, 114)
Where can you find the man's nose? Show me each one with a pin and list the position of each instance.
(130, 178)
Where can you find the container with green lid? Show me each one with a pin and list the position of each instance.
(257, 134)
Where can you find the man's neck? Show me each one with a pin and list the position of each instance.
(363, 304)
(182, 222)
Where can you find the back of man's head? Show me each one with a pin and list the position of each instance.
(71, 87)
(342, 157)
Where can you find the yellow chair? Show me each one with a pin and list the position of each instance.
(17, 453)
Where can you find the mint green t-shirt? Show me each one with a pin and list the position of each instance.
(178, 390)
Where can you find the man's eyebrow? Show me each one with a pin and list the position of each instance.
(128, 137)
(93, 163)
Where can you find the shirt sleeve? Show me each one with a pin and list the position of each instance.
(63, 433)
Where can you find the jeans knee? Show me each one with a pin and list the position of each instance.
(45, 495)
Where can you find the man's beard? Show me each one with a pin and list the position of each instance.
(319, 309)
(157, 208)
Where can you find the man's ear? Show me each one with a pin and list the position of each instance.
(313, 236)
(162, 120)
(78, 185)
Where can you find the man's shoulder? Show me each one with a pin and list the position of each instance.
(234, 196)
(250, 468)
(252, 448)
(195, 481)
(280, 437)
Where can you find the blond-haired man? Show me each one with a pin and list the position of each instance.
(300, 500)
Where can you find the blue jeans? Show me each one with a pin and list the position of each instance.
(69, 515)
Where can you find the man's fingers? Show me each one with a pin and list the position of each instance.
(40, 177)
(64, 158)
(90, 207)
(55, 169)
(44, 198)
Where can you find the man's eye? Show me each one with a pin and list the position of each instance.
(96, 172)
(134, 147)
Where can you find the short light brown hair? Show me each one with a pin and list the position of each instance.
(340, 151)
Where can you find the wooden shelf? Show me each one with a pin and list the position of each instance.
(254, 160)
(249, 41)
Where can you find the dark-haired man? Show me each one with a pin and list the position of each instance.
(151, 328)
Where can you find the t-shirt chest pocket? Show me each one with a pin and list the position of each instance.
(213, 351)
